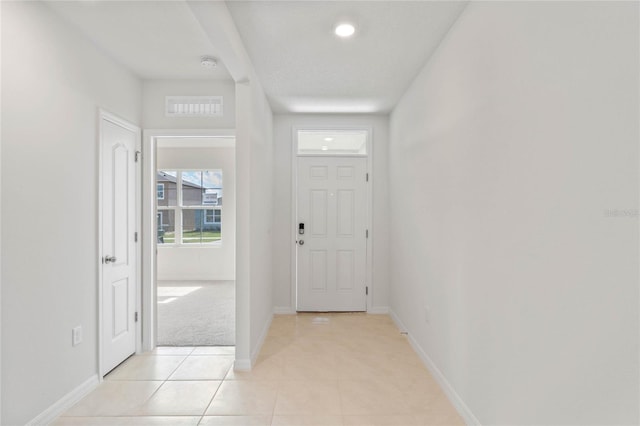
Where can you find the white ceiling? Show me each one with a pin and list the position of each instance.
(304, 67)
(154, 39)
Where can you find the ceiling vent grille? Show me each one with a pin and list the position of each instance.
(194, 106)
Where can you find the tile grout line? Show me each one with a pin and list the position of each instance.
(163, 381)
(204, 413)
(275, 403)
(201, 418)
(301, 345)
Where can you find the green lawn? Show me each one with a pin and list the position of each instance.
(193, 237)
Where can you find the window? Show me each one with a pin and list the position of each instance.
(185, 193)
(332, 142)
(160, 189)
(208, 216)
(166, 226)
(212, 216)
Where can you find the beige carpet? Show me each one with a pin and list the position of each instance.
(196, 313)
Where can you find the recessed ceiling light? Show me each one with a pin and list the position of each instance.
(324, 148)
(328, 139)
(345, 30)
(208, 62)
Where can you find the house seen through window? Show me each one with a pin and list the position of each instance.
(189, 204)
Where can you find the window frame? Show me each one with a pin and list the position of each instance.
(213, 221)
(332, 133)
(179, 208)
(206, 215)
(158, 185)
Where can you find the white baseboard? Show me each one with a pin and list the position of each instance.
(242, 365)
(247, 364)
(378, 310)
(284, 310)
(397, 321)
(261, 339)
(460, 406)
(66, 402)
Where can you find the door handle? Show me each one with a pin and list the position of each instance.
(109, 259)
(301, 242)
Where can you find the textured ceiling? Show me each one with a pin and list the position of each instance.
(154, 39)
(304, 67)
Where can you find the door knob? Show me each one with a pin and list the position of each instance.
(301, 242)
(109, 259)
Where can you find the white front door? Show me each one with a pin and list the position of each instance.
(331, 253)
(119, 260)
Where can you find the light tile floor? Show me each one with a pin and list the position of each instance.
(314, 369)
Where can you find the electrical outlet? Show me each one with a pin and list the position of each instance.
(76, 336)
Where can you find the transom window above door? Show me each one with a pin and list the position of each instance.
(332, 142)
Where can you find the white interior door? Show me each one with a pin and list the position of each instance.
(331, 253)
(119, 260)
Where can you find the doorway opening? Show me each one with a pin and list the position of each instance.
(331, 217)
(192, 296)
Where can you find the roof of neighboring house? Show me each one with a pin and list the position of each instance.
(164, 177)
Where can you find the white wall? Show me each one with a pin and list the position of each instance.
(155, 91)
(198, 262)
(0, 225)
(53, 82)
(506, 153)
(254, 163)
(261, 210)
(283, 238)
(254, 182)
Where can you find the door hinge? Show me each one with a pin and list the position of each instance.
(135, 317)
(367, 177)
(366, 291)
(367, 233)
(138, 155)
(135, 237)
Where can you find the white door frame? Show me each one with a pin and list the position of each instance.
(294, 203)
(107, 116)
(149, 229)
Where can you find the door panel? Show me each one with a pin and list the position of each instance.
(319, 172)
(120, 211)
(119, 261)
(345, 172)
(331, 261)
(120, 291)
(345, 215)
(319, 213)
(318, 272)
(344, 269)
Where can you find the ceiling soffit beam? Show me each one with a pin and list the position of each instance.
(218, 25)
